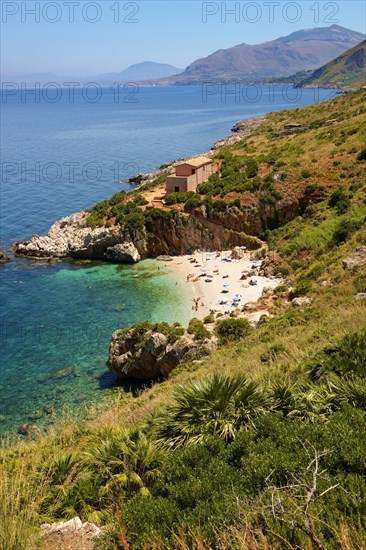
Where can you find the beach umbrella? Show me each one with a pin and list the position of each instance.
(226, 285)
(204, 269)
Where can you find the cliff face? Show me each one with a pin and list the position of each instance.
(71, 237)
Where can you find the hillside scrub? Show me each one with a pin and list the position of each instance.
(222, 453)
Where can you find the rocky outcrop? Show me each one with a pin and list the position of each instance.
(125, 253)
(240, 130)
(3, 259)
(238, 253)
(356, 259)
(70, 236)
(70, 534)
(180, 234)
(301, 301)
(152, 355)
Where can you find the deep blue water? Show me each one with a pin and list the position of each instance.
(62, 156)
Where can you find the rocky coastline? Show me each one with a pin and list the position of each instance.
(70, 237)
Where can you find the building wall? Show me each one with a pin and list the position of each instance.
(184, 170)
(172, 182)
(190, 181)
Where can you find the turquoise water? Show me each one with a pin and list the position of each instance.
(56, 320)
(60, 350)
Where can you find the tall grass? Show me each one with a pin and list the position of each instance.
(21, 490)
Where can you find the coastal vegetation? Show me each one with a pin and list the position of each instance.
(346, 71)
(260, 445)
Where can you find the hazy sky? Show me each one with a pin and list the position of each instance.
(82, 37)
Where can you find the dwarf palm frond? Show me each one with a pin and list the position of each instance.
(345, 358)
(311, 404)
(124, 463)
(351, 391)
(284, 397)
(219, 405)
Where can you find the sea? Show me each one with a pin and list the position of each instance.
(64, 149)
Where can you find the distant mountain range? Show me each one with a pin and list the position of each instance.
(346, 71)
(146, 70)
(302, 50)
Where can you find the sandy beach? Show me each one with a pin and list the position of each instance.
(220, 283)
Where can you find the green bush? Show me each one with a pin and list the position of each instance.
(192, 203)
(177, 198)
(135, 220)
(174, 334)
(302, 287)
(209, 319)
(310, 189)
(345, 358)
(344, 230)
(305, 174)
(117, 198)
(361, 157)
(198, 329)
(139, 200)
(230, 330)
(251, 168)
(339, 200)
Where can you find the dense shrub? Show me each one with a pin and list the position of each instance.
(339, 200)
(205, 486)
(345, 358)
(139, 200)
(198, 329)
(305, 174)
(192, 203)
(135, 220)
(361, 157)
(344, 230)
(177, 198)
(230, 330)
(251, 167)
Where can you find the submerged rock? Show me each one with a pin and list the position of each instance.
(28, 429)
(59, 374)
(3, 259)
(35, 415)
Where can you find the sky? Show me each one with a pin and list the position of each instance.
(82, 37)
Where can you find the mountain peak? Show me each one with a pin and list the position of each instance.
(304, 49)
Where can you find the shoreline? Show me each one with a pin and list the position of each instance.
(220, 271)
(242, 128)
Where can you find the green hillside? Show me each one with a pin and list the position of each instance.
(261, 446)
(346, 71)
